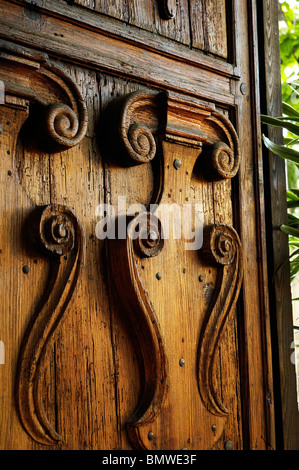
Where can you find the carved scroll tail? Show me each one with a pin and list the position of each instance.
(222, 248)
(61, 235)
(127, 279)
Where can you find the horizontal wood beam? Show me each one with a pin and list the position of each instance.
(89, 39)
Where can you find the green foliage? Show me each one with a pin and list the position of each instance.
(290, 152)
(289, 47)
(289, 123)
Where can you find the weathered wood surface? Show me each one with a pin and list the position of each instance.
(81, 60)
(285, 375)
(196, 23)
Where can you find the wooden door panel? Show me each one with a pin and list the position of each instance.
(114, 342)
(179, 339)
(210, 26)
(195, 23)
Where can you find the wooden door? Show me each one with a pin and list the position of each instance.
(133, 269)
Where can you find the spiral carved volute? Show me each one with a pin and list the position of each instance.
(222, 243)
(223, 161)
(63, 127)
(57, 113)
(58, 232)
(146, 229)
(140, 143)
(222, 248)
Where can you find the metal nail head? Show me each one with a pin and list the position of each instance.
(177, 164)
(26, 269)
(243, 88)
(229, 445)
(182, 362)
(159, 276)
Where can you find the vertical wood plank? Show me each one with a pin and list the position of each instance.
(20, 289)
(256, 360)
(281, 306)
(135, 184)
(115, 8)
(209, 26)
(147, 14)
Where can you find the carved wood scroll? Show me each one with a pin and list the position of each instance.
(59, 115)
(221, 246)
(180, 133)
(54, 110)
(122, 255)
(58, 233)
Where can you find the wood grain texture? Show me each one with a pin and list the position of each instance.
(190, 128)
(259, 432)
(57, 230)
(196, 23)
(210, 26)
(288, 433)
(221, 245)
(93, 374)
(106, 53)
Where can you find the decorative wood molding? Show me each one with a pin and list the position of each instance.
(60, 120)
(136, 121)
(169, 125)
(98, 42)
(128, 282)
(58, 233)
(132, 121)
(169, 8)
(222, 248)
(198, 123)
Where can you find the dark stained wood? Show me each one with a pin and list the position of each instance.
(259, 430)
(281, 306)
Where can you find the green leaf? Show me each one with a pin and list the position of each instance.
(289, 110)
(293, 222)
(290, 230)
(291, 195)
(288, 118)
(278, 122)
(296, 252)
(282, 151)
(293, 199)
(293, 204)
(294, 191)
(292, 174)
